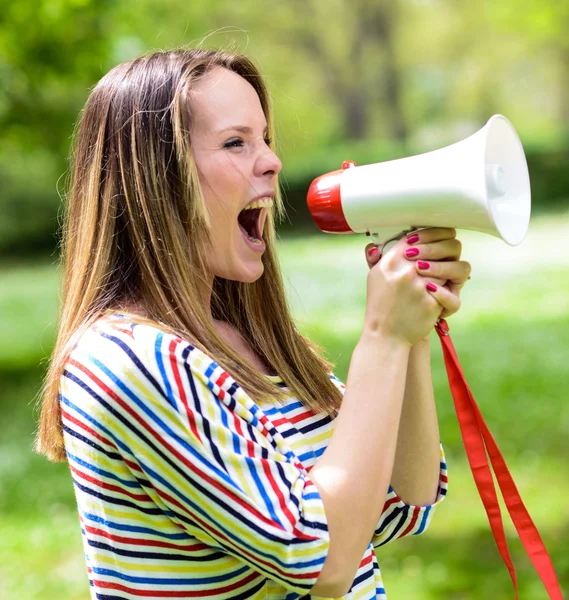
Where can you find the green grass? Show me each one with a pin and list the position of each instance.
(512, 338)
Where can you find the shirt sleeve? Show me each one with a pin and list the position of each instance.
(208, 460)
(399, 519)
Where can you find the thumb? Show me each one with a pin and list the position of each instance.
(372, 255)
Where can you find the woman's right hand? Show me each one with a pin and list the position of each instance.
(398, 305)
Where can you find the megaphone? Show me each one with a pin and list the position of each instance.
(480, 183)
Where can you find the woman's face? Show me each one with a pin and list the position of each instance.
(236, 167)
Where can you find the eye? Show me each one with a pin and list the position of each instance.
(268, 141)
(235, 143)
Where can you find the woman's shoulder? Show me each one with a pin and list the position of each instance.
(121, 339)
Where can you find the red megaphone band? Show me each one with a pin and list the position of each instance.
(325, 203)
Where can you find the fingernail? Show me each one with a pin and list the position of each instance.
(431, 287)
(423, 265)
(372, 251)
(413, 238)
(411, 252)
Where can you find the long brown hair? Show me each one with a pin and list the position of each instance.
(136, 225)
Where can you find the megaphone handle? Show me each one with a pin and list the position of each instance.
(383, 243)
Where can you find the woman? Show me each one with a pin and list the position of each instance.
(212, 451)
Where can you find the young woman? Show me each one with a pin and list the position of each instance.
(213, 453)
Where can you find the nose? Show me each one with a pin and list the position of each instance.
(268, 162)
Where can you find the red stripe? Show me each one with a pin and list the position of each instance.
(250, 446)
(132, 465)
(181, 390)
(110, 487)
(143, 541)
(272, 481)
(390, 502)
(267, 425)
(191, 466)
(174, 593)
(366, 560)
(221, 379)
(409, 527)
(278, 492)
(230, 543)
(219, 382)
(86, 428)
(303, 416)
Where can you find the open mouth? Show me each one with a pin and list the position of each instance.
(249, 220)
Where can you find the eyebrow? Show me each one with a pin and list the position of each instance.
(241, 128)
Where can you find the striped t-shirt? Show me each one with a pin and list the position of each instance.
(187, 488)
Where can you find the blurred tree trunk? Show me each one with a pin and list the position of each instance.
(381, 24)
(370, 78)
(564, 104)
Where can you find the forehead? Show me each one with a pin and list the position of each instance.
(222, 99)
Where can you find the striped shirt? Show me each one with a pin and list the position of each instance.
(187, 488)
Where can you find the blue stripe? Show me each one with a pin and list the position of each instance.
(160, 362)
(170, 580)
(67, 402)
(108, 474)
(238, 540)
(128, 351)
(161, 424)
(211, 368)
(134, 528)
(424, 520)
(254, 469)
(147, 469)
(291, 406)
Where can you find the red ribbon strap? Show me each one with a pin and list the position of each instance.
(478, 441)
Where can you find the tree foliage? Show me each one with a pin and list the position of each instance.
(376, 78)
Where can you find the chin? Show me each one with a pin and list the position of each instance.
(250, 276)
(243, 274)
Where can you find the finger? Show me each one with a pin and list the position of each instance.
(449, 249)
(455, 272)
(431, 234)
(449, 301)
(372, 255)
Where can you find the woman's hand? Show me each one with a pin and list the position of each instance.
(436, 253)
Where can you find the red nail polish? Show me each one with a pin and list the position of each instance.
(423, 265)
(413, 238)
(372, 251)
(410, 252)
(431, 287)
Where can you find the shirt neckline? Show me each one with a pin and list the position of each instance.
(125, 313)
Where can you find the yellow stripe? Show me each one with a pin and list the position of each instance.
(216, 566)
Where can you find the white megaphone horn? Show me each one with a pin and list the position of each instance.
(481, 183)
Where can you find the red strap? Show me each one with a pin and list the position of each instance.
(477, 441)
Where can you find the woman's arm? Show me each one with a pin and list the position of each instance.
(417, 457)
(415, 476)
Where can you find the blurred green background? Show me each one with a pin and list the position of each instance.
(364, 80)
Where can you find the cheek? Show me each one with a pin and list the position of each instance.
(223, 184)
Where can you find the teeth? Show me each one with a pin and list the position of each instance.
(261, 203)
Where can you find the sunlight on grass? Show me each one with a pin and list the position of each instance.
(326, 276)
(28, 300)
(512, 338)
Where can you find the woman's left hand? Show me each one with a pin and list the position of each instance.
(436, 253)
